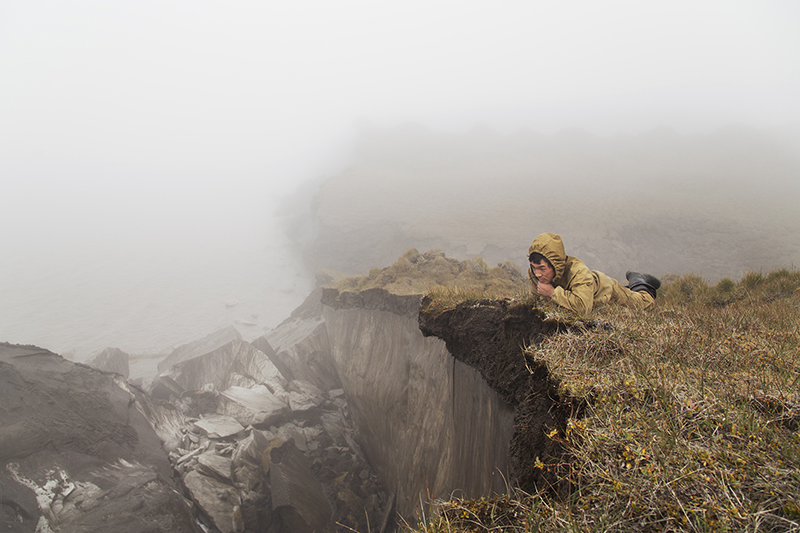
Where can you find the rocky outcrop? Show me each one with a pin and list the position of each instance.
(296, 493)
(207, 344)
(217, 499)
(111, 360)
(301, 346)
(235, 363)
(76, 452)
(252, 406)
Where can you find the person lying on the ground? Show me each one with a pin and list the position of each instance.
(569, 283)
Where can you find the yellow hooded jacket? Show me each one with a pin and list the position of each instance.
(576, 287)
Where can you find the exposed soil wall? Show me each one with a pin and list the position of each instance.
(429, 424)
(490, 335)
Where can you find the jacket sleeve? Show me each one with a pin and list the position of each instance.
(578, 295)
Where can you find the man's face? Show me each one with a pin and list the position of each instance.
(543, 272)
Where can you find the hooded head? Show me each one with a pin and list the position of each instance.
(550, 246)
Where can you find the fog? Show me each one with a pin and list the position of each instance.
(144, 146)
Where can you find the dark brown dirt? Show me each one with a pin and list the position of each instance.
(490, 336)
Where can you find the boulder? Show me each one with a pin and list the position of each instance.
(303, 396)
(111, 360)
(215, 465)
(219, 426)
(76, 452)
(247, 461)
(302, 348)
(256, 406)
(219, 501)
(251, 448)
(164, 388)
(294, 433)
(263, 344)
(234, 363)
(296, 494)
(168, 422)
(239, 380)
(334, 424)
(207, 344)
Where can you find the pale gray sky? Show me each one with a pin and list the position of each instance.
(160, 104)
(141, 141)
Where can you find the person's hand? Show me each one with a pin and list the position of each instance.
(545, 289)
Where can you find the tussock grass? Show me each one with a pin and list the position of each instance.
(447, 280)
(691, 418)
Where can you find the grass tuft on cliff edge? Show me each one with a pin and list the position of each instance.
(692, 418)
(450, 280)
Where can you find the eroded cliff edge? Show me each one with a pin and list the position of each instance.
(443, 402)
(376, 398)
(490, 336)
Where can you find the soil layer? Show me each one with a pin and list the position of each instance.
(490, 336)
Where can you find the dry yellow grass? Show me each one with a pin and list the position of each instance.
(449, 279)
(691, 418)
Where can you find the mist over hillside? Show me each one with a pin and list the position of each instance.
(715, 204)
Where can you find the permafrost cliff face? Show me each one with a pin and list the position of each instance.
(428, 423)
(444, 403)
(360, 406)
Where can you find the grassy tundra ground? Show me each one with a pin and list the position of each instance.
(691, 418)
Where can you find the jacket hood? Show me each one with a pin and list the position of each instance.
(550, 246)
